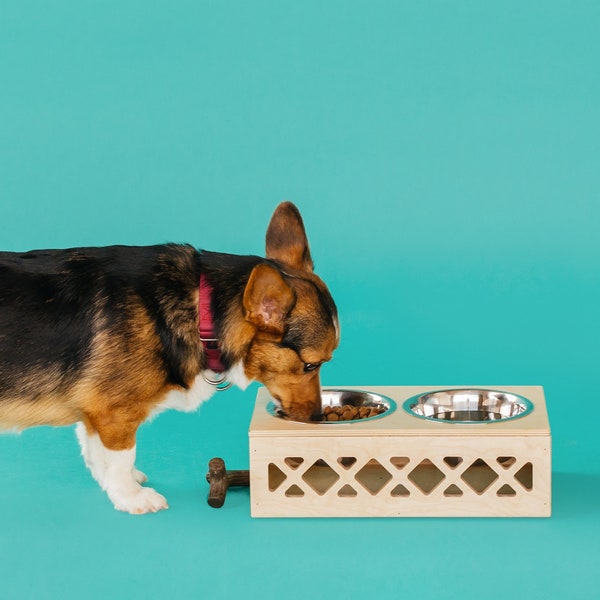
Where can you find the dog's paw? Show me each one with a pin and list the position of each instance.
(143, 500)
(139, 476)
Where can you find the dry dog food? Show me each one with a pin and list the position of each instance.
(351, 413)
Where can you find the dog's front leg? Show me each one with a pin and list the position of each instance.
(111, 460)
(92, 452)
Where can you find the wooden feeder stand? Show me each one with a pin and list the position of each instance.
(401, 465)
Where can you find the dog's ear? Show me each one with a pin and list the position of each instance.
(286, 238)
(267, 300)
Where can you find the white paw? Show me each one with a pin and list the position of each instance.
(139, 476)
(141, 501)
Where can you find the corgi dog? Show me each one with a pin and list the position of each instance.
(105, 338)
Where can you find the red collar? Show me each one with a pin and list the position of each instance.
(206, 328)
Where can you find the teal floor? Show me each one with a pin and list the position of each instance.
(61, 537)
(445, 159)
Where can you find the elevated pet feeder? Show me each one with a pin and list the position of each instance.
(422, 451)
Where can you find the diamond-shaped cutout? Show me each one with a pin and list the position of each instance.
(506, 461)
(346, 461)
(506, 490)
(347, 491)
(525, 476)
(399, 461)
(479, 476)
(400, 491)
(453, 491)
(294, 491)
(373, 476)
(293, 462)
(453, 461)
(320, 476)
(276, 477)
(426, 476)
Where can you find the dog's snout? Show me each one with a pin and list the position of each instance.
(305, 410)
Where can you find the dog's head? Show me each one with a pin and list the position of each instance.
(294, 316)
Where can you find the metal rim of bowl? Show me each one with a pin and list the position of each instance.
(409, 404)
(378, 399)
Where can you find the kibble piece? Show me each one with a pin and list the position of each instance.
(332, 416)
(348, 413)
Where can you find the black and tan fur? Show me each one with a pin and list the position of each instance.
(100, 336)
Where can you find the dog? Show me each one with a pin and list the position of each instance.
(105, 338)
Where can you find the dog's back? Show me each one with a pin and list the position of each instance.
(79, 319)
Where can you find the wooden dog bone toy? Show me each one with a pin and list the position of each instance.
(220, 480)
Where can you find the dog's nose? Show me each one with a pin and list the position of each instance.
(317, 411)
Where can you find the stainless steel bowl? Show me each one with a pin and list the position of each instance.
(468, 406)
(337, 398)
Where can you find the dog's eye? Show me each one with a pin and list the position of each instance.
(308, 367)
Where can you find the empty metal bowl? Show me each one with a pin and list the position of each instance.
(338, 399)
(468, 406)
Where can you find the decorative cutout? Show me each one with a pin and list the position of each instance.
(347, 491)
(320, 477)
(294, 492)
(506, 490)
(346, 461)
(400, 491)
(426, 476)
(479, 476)
(373, 476)
(399, 461)
(506, 461)
(453, 491)
(293, 462)
(276, 477)
(453, 461)
(525, 476)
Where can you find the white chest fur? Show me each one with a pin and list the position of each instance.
(200, 391)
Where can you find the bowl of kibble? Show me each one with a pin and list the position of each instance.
(345, 406)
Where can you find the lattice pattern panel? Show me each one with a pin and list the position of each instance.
(399, 477)
(370, 477)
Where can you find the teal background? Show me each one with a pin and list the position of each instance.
(445, 158)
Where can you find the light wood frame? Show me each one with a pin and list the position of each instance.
(402, 465)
